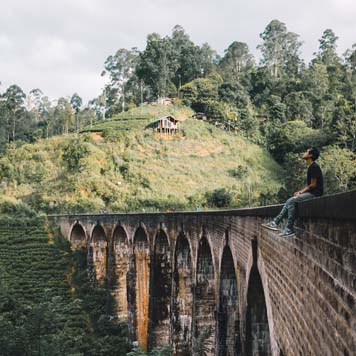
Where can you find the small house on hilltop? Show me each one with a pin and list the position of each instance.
(163, 101)
(168, 125)
(200, 116)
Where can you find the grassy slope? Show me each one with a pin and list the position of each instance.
(134, 169)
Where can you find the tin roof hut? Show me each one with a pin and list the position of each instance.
(168, 125)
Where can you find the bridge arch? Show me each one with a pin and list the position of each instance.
(161, 230)
(140, 233)
(141, 261)
(183, 235)
(161, 287)
(182, 296)
(120, 261)
(97, 231)
(98, 253)
(205, 301)
(227, 243)
(120, 234)
(228, 336)
(205, 235)
(77, 235)
(258, 340)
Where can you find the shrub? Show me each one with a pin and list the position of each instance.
(219, 198)
(124, 170)
(238, 172)
(13, 207)
(73, 154)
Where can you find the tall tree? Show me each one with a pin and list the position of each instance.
(156, 66)
(328, 56)
(33, 103)
(170, 62)
(63, 116)
(279, 49)
(327, 48)
(15, 99)
(76, 102)
(236, 62)
(120, 68)
(4, 137)
(186, 57)
(46, 115)
(316, 86)
(208, 60)
(98, 105)
(350, 75)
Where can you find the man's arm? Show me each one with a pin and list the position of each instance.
(312, 185)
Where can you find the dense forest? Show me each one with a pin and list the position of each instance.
(280, 103)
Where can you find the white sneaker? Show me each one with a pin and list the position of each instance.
(271, 225)
(287, 233)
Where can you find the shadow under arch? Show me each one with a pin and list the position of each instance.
(258, 341)
(182, 297)
(98, 254)
(229, 338)
(120, 269)
(205, 303)
(161, 286)
(140, 287)
(77, 236)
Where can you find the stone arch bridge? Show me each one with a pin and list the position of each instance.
(218, 281)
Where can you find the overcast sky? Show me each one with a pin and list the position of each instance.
(60, 46)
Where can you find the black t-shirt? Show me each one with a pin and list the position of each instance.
(314, 171)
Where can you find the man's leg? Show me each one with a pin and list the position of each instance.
(290, 205)
(289, 210)
(283, 212)
(273, 225)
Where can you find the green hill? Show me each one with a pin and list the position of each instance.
(123, 165)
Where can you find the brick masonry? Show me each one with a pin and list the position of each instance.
(219, 280)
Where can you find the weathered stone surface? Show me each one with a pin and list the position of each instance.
(257, 328)
(121, 267)
(142, 277)
(229, 340)
(182, 298)
(290, 296)
(99, 253)
(161, 279)
(205, 302)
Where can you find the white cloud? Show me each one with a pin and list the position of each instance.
(4, 42)
(53, 51)
(60, 46)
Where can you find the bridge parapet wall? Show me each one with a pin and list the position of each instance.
(312, 279)
(293, 296)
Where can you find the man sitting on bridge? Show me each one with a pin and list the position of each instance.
(314, 188)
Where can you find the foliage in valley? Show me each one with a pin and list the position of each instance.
(48, 305)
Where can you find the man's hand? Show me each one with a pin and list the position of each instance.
(307, 188)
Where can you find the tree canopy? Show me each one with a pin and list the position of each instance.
(232, 90)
